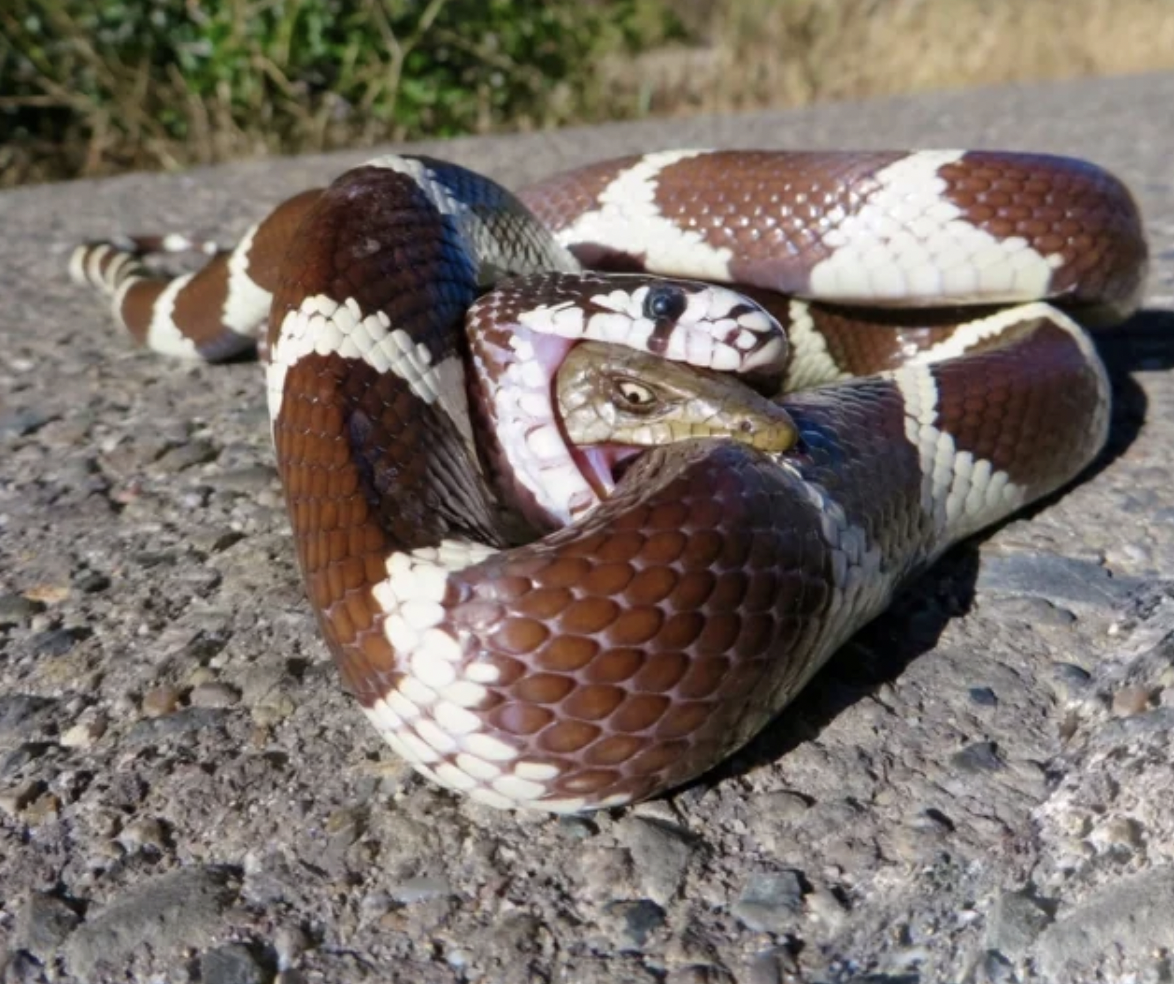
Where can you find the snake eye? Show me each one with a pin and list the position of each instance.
(633, 396)
(664, 301)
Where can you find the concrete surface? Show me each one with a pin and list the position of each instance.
(978, 788)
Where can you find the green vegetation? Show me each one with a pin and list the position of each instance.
(109, 84)
(91, 87)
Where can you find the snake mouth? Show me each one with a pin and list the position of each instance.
(603, 465)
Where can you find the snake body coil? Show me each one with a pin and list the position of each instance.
(658, 615)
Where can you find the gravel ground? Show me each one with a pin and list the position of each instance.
(977, 789)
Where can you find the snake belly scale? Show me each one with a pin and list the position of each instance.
(534, 630)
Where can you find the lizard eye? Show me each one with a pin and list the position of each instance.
(664, 301)
(631, 395)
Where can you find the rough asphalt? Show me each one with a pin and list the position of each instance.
(976, 790)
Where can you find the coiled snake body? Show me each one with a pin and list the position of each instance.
(536, 629)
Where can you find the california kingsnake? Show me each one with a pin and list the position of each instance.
(645, 632)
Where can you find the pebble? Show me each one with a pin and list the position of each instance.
(782, 805)
(233, 963)
(1130, 700)
(660, 854)
(159, 701)
(254, 478)
(1013, 922)
(770, 901)
(16, 799)
(638, 918)
(412, 890)
(982, 756)
(15, 609)
(21, 756)
(43, 924)
(214, 694)
(23, 422)
(983, 697)
(53, 642)
(773, 966)
(1117, 832)
(823, 905)
(289, 943)
(20, 714)
(145, 832)
(190, 719)
(92, 582)
(85, 733)
(188, 455)
(44, 809)
(168, 914)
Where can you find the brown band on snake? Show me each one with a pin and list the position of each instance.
(1076, 215)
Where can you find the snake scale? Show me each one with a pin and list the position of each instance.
(566, 623)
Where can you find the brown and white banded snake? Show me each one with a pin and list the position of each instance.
(539, 612)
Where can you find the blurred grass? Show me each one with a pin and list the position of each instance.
(90, 87)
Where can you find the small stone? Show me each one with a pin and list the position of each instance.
(201, 674)
(825, 906)
(774, 966)
(213, 694)
(21, 756)
(783, 805)
(576, 828)
(15, 609)
(23, 422)
(44, 809)
(254, 478)
(345, 825)
(188, 455)
(983, 697)
(159, 701)
(1117, 832)
(412, 890)
(1130, 700)
(982, 756)
(43, 924)
(231, 964)
(639, 919)
(182, 722)
(272, 709)
(146, 832)
(770, 902)
(661, 855)
(47, 594)
(92, 582)
(1071, 682)
(20, 714)
(1013, 923)
(16, 799)
(85, 733)
(289, 943)
(53, 642)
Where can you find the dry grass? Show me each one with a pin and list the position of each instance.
(779, 53)
(748, 54)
